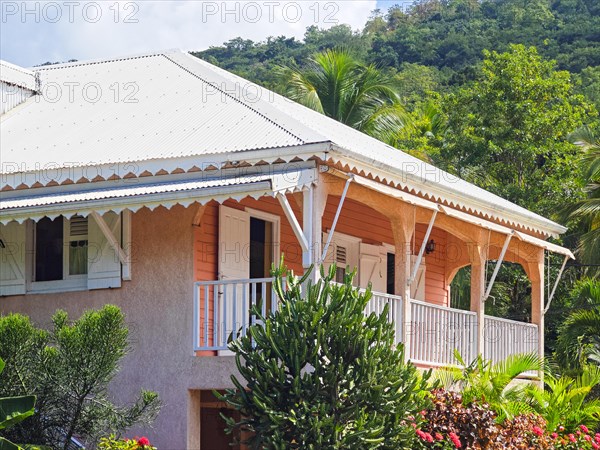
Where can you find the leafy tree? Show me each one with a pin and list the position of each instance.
(493, 383)
(337, 85)
(69, 370)
(319, 374)
(589, 85)
(589, 209)
(511, 126)
(579, 335)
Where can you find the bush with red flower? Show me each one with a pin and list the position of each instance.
(581, 439)
(113, 443)
(450, 424)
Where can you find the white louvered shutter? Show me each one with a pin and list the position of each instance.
(12, 259)
(373, 267)
(104, 266)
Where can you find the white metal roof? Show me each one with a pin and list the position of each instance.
(18, 76)
(478, 221)
(134, 194)
(173, 109)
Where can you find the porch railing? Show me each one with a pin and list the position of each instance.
(436, 332)
(505, 337)
(214, 321)
(223, 307)
(377, 304)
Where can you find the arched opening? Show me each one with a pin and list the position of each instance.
(509, 298)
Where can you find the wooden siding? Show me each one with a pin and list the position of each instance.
(356, 219)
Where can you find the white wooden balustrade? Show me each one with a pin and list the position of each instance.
(223, 307)
(377, 304)
(505, 337)
(436, 332)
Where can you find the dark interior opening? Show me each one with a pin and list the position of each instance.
(391, 273)
(49, 249)
(258, 239)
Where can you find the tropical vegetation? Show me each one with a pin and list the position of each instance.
(69, 369)
(320, 375)
(12, 411)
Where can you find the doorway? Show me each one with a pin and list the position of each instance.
(212, 424)
(261, 259)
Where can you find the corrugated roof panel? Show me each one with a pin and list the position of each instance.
(18, 76)
(26, 204)
(130, 110)
(174, 105)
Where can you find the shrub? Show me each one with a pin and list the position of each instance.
(69, 369)
(450, 424)
(12, 411)
(321, 374)
(113, 443)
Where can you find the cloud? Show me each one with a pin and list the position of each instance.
(36, 32)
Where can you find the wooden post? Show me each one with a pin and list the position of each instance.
(403, 228)
(535, 272)
(477, 255)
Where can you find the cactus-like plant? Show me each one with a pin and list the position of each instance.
(14, 410)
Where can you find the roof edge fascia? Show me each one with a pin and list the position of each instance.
(385, 171)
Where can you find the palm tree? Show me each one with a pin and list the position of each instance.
(492, 383)
(579, 336)
(337, 85)
(566, 402)
(589, 209)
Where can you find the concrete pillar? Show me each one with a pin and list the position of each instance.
(403, 228)
(193, 420)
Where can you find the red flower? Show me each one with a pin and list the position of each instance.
(537, 430)
(143, 441)
(584, 429)
(572, 438)
(595, 446)
(554, 435)
(561, 428)
(439, 436)
(455, 440)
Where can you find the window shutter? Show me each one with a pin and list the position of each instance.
(344, 251)
(373, 267)
(78, 226)
(104, 267)
(12, 259)
(234, 244)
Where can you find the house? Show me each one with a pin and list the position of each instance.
(168, 187)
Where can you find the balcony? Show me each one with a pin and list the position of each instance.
(433, 332)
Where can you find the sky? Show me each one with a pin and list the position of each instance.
(35, 32)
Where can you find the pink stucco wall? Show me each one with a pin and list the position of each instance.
(158, 307)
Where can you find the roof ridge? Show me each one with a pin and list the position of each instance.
(91, 62)
(12, 66)
(234, 98)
